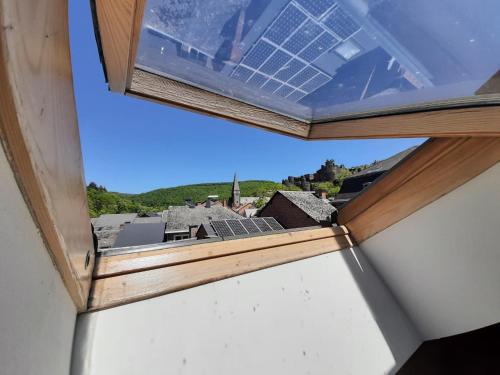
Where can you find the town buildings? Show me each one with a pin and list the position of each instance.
(297, 209)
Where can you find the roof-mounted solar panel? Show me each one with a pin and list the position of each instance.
(259, 53)
(296, 96)
(303, 76)
(286, 23)
(271, 85)
(341, 23)
(250, 226)
(321, 45)
(257, 80)
(303, 37)
(241, 73)
(316, 7)
(271, 221)
(291, 68)
(222, 228)
(284, 90)
(237, 228)
(275, 62)
(316, 82)
(263, 226)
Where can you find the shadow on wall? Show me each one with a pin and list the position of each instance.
(473, 352)
(398, 330)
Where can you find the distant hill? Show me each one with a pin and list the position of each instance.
(102, 201)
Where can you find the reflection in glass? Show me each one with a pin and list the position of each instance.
(318, 59)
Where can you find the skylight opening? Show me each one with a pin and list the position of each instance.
(325, 59)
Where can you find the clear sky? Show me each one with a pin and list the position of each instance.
(133, 146)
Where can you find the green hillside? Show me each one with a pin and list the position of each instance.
(103, 202)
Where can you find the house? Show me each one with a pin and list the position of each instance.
(356, 183)
(182, 222)
(229, 229)
(296, 209)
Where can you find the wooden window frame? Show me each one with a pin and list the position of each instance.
(124, 278)
(118, 30)
(39, 134)
(434, 169)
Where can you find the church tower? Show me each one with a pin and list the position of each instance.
(235, 194)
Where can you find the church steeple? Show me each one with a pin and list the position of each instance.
(235, 193)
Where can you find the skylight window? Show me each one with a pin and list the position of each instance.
(318, 60)
(348, 50)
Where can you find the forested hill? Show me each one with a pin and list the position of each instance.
(102, 201)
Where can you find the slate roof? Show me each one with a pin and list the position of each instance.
(113, 220)
(358, 181)
(318, 209)
(182, 217)
(148, 219)
(386, 164)
(247, 200)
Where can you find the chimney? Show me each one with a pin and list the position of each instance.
(224, 202)
(322, 194)
(189, 202)
(209, 203)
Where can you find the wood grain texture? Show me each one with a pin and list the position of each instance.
(135, 262)
(464, 122)
(140, 6)
(167, 91)
(433, 170)
(119, 290)
(116, 20)
(39, 132)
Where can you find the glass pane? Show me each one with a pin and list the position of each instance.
(320, 59)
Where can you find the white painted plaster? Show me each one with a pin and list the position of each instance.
(37, 315)
(329, 314)
(443, 262)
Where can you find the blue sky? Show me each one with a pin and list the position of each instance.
(132, 145)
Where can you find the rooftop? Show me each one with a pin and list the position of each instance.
(318, 209)
(386, 164)
(182, 217)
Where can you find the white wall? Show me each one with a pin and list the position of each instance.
(325, 315)
(37, 315)
(443, 261)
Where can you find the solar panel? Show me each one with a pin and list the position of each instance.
(302, 37)
(275, 62)
(302, 77)
(284, 90)
(242, 73)
(315, 83)
(263, 226)
(257, 80)
(316, 7)
(271, 221)
(271, 85)
(237, 228)
(318, 47)
(296, 96)
(289, 70)
(259, 53)
(222, 228)
(341, 23)
(250, 226)
(289, 20)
